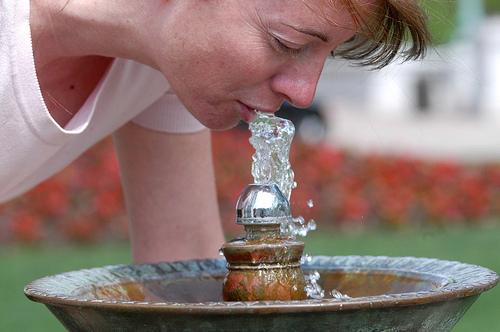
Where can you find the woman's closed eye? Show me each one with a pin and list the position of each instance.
(286, 47)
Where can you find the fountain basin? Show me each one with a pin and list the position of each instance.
(386, 294)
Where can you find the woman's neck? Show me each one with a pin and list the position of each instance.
(74, 42)
(79, 28)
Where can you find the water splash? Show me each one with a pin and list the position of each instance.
(271, 138)
(298, 226)
(313, 289)
(339, 296)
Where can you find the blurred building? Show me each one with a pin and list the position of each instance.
(446, 106)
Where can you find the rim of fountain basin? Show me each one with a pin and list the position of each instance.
(457, 280)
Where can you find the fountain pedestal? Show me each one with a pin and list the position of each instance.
(266, 269)
(263, 266)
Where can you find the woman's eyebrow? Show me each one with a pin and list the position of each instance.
(310, 32)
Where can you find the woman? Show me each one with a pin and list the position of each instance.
(155, 74)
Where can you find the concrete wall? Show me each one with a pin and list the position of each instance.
(461, 79)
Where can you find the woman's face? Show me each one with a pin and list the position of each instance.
(226, 58)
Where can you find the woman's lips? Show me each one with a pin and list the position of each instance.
(248, 114)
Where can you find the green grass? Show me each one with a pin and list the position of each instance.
(20, 265)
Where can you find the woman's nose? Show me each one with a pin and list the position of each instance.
(297, 83)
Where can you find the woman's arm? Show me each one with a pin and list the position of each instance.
(169, 186)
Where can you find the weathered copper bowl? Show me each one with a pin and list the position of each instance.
(387, 294)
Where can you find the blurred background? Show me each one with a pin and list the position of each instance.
(404, 161)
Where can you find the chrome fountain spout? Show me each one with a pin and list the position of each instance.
(262, 209)
(263, 265)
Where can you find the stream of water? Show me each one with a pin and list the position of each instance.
(272, 137)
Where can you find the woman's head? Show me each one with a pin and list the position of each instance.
(226, 58)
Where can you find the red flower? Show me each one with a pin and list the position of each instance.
(82, 228)
(25, 227)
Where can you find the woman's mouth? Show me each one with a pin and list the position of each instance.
(248, 114)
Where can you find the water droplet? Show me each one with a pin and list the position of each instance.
(306, 258)
(338, 295)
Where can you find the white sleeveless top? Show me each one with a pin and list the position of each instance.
(32, 145)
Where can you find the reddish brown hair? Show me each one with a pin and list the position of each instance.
(396, 27)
